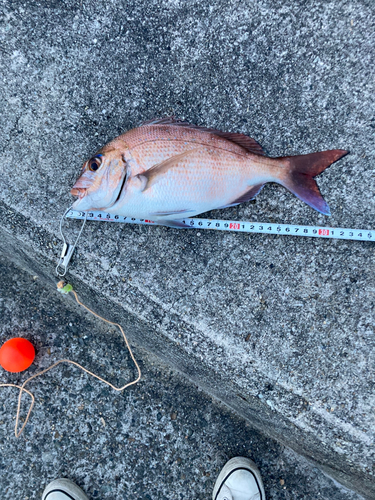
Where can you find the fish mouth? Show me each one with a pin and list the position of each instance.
(79, 192)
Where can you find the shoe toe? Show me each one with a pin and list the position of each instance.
(243, 485)
(225, 493)
(63, 489)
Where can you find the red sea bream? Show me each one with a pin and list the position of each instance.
(166, 170)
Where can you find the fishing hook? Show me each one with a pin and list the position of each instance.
(68, 249)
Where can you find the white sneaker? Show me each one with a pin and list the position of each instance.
(239, 479)
(63, 489)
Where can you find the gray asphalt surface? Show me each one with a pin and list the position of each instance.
(280, 329)
(162, 439)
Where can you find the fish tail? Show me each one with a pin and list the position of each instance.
(299, 172)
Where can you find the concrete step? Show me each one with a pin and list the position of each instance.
(163, 438)
(302, 386)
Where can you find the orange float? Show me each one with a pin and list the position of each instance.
(17, 354)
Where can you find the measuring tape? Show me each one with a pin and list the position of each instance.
(240, 227)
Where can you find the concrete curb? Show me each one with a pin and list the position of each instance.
(218, 383)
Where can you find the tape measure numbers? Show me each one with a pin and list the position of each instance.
(240, 227)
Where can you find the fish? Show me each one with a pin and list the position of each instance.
(166, 170)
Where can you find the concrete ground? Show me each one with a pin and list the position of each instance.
(162, 439)
(281, 330)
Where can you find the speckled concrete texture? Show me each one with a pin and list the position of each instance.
(280, 329)
(162, 439)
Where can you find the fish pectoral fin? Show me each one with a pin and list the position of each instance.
(138, 182)
(153, 175)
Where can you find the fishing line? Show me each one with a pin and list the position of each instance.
(65, 289)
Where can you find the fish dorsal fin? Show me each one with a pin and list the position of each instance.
(153, 174)
(168, 120)
(242, 140)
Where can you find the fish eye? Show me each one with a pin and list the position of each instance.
(94, 163)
